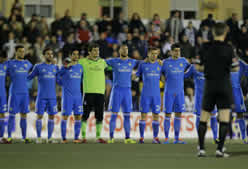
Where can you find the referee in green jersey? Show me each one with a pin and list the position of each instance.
(94, 89)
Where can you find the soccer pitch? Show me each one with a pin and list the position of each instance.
(119, 156)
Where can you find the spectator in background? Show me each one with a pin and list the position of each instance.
(190, 31)
(243, 39)
(69, 45)
(245, 23)
(83, 18)
(10, 45)
(122, 36)
(43, 26)
(156, 22)
(56, 24)
(174, 26)
(95, 33)
(104, 50)
(198, 45)
(31, 55)
(103, 23)
(67, 24)
(234, 28)
(39, 47)
(83, 33)
(118, 24)
(31, 32)
(136, 23)
(129, 43)
(209, 21)
(17, 6)
(4, 31)
(25, 43)
(167, 45)
(60, 40)
(54, 45)
(205, 33)
(34, 18)
(187, 49)
(15, 26)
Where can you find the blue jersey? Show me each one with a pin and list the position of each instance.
(173, 70)
(46, 74)
(70, 80)
(18, 72)
(3, 72)
(122, 71)
(236, 76)
(150, 73)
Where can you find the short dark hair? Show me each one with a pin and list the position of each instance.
(152, 48)
(93, 45)
(46, 49)
(18, 47)
(176, 45)
(71, 51)
(219, 28)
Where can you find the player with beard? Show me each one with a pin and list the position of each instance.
(121, 94)
(46, 99)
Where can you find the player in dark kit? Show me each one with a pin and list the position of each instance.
(216, 57)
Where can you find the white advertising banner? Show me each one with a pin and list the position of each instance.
(188, 129)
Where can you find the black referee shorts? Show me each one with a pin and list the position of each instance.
(93, 101)
(217, 93)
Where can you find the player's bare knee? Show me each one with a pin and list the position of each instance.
(205, 115)
(50, 117)
(224, 115)
(23, 115)
(65, 117)
(39, 116)
(2, 115)
(178, 115)
(155, 117)
(77, 117)
(143, 116)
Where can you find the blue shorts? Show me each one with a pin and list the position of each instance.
(18, 103)
(121, 97)
(46, 105)
(174, 102)
(150, 102)
(70, 103)
(239, 105)
(3, 104)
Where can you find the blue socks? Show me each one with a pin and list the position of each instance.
(38, 127)
(166, 127)
(155, 127)
(77, 127)
(112, 125)
(127, 124)
(50, 127)
(23, 124)
(242, 128)
(63, 129)
(197, 122)
(177, 127)
(11, 124)
(214, 126)
(142, 126)
(2, 126)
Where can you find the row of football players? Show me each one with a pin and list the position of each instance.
(69, 77)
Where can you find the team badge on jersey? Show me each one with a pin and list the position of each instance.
(170, 65)
(158, 68)
(130, 64)
(80, 70)
(43, 70)
(54, 70)
(4, 67)
(181, 64)
(25, 65)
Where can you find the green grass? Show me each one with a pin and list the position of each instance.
(119, 156)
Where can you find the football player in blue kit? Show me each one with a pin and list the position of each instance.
(173, 69)
(150, 72)
(46, 99)
(18, 70)
(69, 78)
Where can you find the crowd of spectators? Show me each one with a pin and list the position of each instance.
(65, 34)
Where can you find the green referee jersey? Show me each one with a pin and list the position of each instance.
(93, 75)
